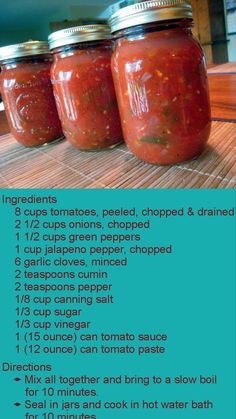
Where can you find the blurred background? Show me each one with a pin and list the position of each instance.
(21, 20)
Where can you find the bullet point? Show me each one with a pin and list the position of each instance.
(17, 379)
(17, 404)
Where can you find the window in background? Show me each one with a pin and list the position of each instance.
(218, 31)
(231, 28)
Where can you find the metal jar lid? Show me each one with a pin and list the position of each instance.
(128, 13)
(79, 34)
(26, 49)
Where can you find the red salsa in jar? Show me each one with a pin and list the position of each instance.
(161, 82)
(27, 93)
(83, 87)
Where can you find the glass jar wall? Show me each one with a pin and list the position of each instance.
(161, 82)
(27, 94)
(84, 88)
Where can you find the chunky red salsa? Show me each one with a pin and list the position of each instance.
(162, 89)
(85, 96)
(30, 105)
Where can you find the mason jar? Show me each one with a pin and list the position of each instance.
(27, 93)
(83, 86)
(159, 71)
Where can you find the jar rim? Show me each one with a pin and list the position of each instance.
(79, 34)
(126, 14)
(25, 49)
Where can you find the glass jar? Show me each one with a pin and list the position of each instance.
(161, 81)
(83, 86)
(27, 93)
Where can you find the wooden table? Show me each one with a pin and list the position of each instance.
(61, 166)
(222, 81)
(4, 128)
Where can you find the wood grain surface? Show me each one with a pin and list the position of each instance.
(222, 68)
(4, 128)
(223, 96)
(222, 83)
(61, 166)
